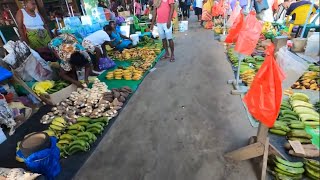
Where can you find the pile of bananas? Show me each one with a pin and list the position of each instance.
(309, 80)
(248, 76)
(130, 73)
(312, 168)
(283, 169)
(232, 56)
(145, 53)
(305, 110)
(314, 68)
(41, 87)
(58, 85)
(76, 137)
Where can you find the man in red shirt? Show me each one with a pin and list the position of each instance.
(163, 13)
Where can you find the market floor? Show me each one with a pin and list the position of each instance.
(179, 123)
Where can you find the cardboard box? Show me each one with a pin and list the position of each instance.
(124, 13)
(59, 96)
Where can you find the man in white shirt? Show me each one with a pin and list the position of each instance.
(96, 43)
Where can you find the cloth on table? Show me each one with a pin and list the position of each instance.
(64, 46)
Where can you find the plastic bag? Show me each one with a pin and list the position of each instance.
(292, 65)
(265, 94)
(45, 162)
(249, 35)
(235, 29)
(106, 63)
(34, 69)
(235, 13)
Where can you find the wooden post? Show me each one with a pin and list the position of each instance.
(254, 150)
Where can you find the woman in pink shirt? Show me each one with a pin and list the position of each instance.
(138, 8)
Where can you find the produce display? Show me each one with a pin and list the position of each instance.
(269, 31)
(317, 106)
(129, 73)
(283, 169)
(93, 103)
(314, 68)
(78, 120)
(309, 80)
(311, 151)
(312, 168)
(49, 87)
(145, 53)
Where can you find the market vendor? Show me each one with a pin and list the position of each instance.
(78, 60)
(63, 47)
(120, 41)
(96, 43)
(32, 27)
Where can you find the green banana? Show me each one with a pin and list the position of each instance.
(95, 125)
(281, 127)
(312, 177)
(281, 176)
(313, 162)
(299, 133)
(295, 122)
(276, 169)
(289, 112)
(289, 169)
(95, 131)
(88, 135)
(76, 148)
(284, 119)
(55, 127)
(312, 172)
(288, 163)
(67, 137)
(312, 123)
(292, 117)
(84, 138)
(305, 110)
(73, 132)
(315, 168)
(302, 140)
(278, 132)
(101, 123)
(310, 117)
(76, 127)
(297, 126)
(63, 141)
(58, 124)
(60, 120)
(83, 119)
(78, 142)
(299, 96)
(84, 124)
(297, 103)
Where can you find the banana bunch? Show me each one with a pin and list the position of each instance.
(57, 126)
(284, 169)
(304, 109)
(128, 74)
(299, 135)
(308, 81)
(312, 168)
(232, 56)
(280, 128)
(287, 113)
(248, 76)
(314, 67)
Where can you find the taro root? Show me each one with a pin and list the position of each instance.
(116, 94)
(122, 99)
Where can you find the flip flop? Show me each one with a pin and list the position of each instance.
(172, 59)
(164, 57)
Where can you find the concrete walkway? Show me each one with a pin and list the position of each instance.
(179, 123)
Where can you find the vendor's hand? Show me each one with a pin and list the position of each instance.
(77, 83)
(169, 24)
(151, 27)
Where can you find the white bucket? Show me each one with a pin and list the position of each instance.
(183, 26)
(2, 136)
(312, 48)
(134, 38)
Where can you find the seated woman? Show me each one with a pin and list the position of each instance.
(120, 41)
(31, 26)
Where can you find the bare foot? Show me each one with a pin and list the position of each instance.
(166, 56)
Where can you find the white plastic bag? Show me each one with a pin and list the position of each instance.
(34, 69)
(292, 65)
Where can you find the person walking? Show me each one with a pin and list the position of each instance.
(198, 10)
(163, 14)
(186, 11)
